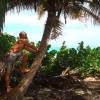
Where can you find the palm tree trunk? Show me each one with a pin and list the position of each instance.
(20, 90)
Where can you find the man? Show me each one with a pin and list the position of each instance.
(16, 52)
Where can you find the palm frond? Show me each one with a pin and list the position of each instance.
(72, 8)
(95, 6)
(56, 28)
(86, 9)
(3, 8)
(6, 5)
(40, 11)
(88, 13)
(74, 12)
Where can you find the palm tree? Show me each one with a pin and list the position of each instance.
(54, 8)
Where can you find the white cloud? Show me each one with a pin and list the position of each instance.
(21, 19)
(75, 36)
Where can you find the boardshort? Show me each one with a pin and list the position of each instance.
(11, 59)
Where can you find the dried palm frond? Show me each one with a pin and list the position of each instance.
(40, 11)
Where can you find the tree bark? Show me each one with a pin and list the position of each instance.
(18, 92)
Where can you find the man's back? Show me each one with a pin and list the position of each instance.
(18, 46)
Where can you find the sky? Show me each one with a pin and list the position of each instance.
(73, 32)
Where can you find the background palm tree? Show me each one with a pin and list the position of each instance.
(54, 8)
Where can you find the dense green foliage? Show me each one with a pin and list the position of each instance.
(6, 41)
(85, 59)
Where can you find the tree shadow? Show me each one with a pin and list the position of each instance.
(2, 86)
(56, 88)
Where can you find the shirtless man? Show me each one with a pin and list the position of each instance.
(16, 52)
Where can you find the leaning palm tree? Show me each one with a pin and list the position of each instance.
(54, 8)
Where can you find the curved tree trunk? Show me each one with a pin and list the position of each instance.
(18, 92)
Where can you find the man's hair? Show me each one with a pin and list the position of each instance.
(23, 35)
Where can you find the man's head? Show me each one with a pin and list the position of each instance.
(23, 35)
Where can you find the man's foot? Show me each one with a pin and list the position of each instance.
(25, 70)
(9, 89)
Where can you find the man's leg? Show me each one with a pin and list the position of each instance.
(7, 81)
(7, 75)
(24, 60)
(9, 66)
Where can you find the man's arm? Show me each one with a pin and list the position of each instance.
(30, 49)
(28, 46)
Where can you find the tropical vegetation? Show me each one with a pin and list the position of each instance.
(55, 8)
(83, 58)
(6, 41)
